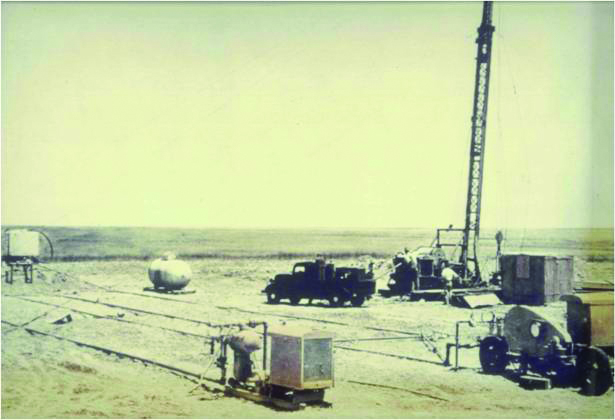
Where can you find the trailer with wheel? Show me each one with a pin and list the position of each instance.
(579, 355)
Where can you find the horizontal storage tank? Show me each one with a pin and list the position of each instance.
(535, 279)
(169, 273)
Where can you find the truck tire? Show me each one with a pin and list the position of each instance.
(336, 301)
(357, 300)
(273, 297)
(493, 355)
(294, 300)
(594, 371)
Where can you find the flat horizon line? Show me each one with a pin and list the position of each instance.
(296, 227)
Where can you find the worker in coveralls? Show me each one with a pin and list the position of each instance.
(404, 277)
(448, 276)
(370, 271)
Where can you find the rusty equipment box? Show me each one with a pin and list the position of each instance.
(301, 358)
(590, 318)
(536, 279)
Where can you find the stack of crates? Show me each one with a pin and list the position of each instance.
(535, 279)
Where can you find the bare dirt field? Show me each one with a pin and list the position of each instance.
(44, 377)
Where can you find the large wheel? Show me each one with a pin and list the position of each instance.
(335, 300)
(357, 300)
(273, 297)
(294, 300)
(594, 371)
(493, 355)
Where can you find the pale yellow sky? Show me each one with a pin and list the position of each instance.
(303, 114)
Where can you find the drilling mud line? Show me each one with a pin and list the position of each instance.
(178, 331)
(105, 350)
(127, 308)
(227, 308)
(348, 340)
(28, 322)
(324, 321)
(114, 319)
(422, 394)
(318, 320)
(398, 356)
(234, 308)
(15, 327)
(151, 296)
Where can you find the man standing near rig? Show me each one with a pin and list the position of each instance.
(448, 276)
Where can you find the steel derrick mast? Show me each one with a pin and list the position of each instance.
(471, 230)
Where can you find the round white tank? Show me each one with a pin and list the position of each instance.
(169, 273)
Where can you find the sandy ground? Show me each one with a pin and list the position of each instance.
(43, 377)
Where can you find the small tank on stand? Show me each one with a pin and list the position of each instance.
(169, 275)
(23, 251)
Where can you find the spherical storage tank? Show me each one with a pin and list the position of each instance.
(169, 273)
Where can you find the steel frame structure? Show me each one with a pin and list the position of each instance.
(471, 230)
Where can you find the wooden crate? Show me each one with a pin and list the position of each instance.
(535, 279)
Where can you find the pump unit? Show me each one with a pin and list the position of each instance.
(301, 364)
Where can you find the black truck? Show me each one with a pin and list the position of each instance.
(321, 280)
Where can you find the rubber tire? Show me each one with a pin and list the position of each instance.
(357, 301)
(336, 301)
(273, 298)
(294, 300)
(594, 371)
(493, 355)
